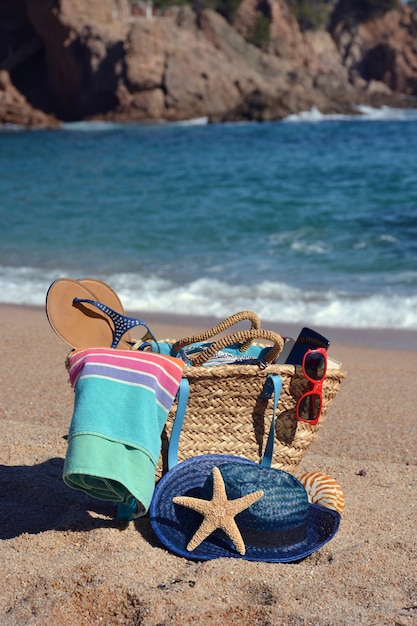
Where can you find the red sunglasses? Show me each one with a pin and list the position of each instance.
(309, 405)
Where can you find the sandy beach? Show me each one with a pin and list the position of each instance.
(66, 560)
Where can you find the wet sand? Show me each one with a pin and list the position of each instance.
(66, 560)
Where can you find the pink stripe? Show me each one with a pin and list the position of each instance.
(167, 372)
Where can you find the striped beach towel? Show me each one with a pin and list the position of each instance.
(122, 400)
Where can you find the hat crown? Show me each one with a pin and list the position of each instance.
(284, 505)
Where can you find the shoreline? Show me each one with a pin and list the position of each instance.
(401, 339)
(358, 110)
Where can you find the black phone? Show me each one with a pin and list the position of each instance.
(308, 339)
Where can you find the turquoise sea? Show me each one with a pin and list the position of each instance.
(312, 220)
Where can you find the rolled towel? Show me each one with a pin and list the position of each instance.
(122, 400)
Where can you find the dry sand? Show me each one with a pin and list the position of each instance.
(65, 560)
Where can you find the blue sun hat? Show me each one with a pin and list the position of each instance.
(216, 506)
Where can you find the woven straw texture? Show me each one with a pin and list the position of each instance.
(226, 414)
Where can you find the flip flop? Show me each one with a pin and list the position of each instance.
(79, 326)
(102, 292)
(107, 300)
(83, 322)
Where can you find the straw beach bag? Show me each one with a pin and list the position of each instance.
(228, 411)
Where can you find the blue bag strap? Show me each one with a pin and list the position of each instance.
(272, 386)
(182, 401)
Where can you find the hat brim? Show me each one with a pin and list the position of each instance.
(174, 525)
(81, 326)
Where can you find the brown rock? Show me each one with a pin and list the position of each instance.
(84, 48)
(83, 59)
(381, 49)
(198, 66)
(15, 110)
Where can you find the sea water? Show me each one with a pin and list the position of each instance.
(311, 220)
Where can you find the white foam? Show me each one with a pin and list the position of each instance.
(272, 301)
(364, 113)
(12, 127)
(196, 121)
(387, 113)
(102, 125)
(93, 126)
(314, 115)
(25, 285)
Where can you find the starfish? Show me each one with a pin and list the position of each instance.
(219, 512)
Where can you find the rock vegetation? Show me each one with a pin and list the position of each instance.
(89, 59)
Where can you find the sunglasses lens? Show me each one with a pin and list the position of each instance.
(309, 407)
(315, 365)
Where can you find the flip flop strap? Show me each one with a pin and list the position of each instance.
(122, 323)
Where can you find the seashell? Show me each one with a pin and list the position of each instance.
(323, 490)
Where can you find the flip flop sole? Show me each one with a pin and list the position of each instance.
(102, 293)
(81, 325)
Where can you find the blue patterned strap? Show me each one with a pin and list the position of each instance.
(122, 323)
(272, 386)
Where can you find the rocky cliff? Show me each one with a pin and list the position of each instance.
(81, 59)
(16, 110)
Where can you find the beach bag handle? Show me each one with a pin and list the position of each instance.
(271, 388)
(219, 328)
(244, 336)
